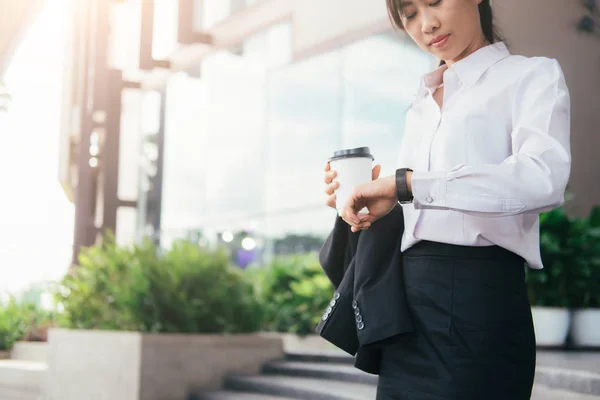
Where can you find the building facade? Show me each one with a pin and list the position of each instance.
(249, 107)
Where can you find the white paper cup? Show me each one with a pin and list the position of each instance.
(354, 167)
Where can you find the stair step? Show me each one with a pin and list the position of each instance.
(330, 371)
(336, 357)
(230, 395)
(301, 388)
(541, 392)
(573, 380)
(22, 380)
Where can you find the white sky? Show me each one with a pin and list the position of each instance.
(36, 219)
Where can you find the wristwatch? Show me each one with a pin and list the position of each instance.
(402, 193)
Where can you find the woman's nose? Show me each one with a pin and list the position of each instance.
(429, 23)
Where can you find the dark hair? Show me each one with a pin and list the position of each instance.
(485, 16)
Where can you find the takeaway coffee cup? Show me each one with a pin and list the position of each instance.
(353, 167)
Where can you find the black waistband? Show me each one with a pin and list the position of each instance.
(428, 248)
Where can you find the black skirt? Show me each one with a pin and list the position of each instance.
(474, 335)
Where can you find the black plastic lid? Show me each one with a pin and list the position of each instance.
(350, 153)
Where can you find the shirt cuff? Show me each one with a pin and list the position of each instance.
(429, 189)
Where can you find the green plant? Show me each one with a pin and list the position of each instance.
(186, 289)
(38, 322)
(295, 292)
(570, 249)
(584, 275)
(548, 286)
(13, 323)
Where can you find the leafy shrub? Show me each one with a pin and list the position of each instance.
(570, 249)
(185, 290)
(38, 322)
(548, 286)
(13, 323)
(584, 272)
(295, 292)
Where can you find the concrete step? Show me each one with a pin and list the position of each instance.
(301, 388)
(340, 372)
(568, 379)
(547, 379)
(336, 357)
(229, 395)
(318, 389)
(541, 392)
(22, 380)
(572, 380)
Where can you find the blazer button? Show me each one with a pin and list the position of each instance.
(332, 303)
(357, 311)
(336, 296)
(359, 318)
(329, 310)
(354, 304)
(360, 326)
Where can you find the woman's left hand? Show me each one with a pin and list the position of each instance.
(379, 196)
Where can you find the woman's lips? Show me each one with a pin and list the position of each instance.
(440, 41)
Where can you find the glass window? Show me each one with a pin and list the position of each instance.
(164, 35)
(215, 163)
(380, 76)
(133, 112)
(214, 11)
(126, 226)
(303, 128)
(246, 144)
(355, 96)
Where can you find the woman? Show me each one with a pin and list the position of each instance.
(485, 150)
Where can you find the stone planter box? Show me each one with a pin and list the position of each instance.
(133, 366)
(4, 355)
(30, 351)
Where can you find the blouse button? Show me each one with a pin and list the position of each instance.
(429, 199)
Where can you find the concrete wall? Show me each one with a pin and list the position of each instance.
(547, 27)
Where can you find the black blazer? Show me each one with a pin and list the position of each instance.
(368, 309)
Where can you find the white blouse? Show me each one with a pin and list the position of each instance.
(495, 156)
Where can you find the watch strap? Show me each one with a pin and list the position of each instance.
(402, 192)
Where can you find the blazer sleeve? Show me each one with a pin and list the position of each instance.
(338, 250)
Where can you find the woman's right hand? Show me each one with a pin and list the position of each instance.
(331, 185)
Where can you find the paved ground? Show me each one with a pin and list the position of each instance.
(573, 360)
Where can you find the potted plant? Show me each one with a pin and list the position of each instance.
(547, 288)
(584, 281)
